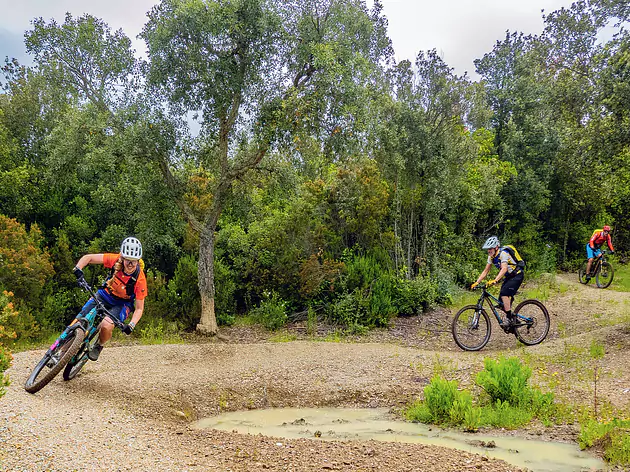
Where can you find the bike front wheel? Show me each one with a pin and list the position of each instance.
(532, 322)
(582, 273)
(54, 360)
(471, 328)
(605, 274)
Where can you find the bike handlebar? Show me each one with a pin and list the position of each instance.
(85, 286)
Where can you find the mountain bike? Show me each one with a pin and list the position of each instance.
(601, 269)
(472, 327)
(70, 349)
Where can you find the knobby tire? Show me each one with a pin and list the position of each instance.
(605, 274)
(73, 343)
(463, 331)
(536, 332)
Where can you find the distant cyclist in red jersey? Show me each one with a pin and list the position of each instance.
(593, 248)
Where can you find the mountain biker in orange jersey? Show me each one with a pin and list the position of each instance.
(508, 267)
(124, 290)
(600, 236)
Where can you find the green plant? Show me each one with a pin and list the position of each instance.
(612, 436)
(272, 311)
(503, 415)
(462, 405)
(311, 321)
(439, 396)
(159, 332)
(506, 380)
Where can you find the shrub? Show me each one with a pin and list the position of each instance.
(506, 380)
(612, 436)
(183, 293)
(416, 295)
(503, 415)
(7, 312)
(272, 312)
(16, 321)
(24, 265)
(439, 396)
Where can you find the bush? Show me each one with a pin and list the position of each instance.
(183, 294)
(506, 380)
(503, 415)
(16, 321)
(612, 436)
(7, 312)
(272, 312)
(416, 295)
(439, 396)
(24, 265)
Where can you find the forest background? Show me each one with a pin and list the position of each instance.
(327, 182)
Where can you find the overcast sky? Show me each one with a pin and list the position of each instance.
(460, 30)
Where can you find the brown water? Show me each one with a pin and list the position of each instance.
(378, 424)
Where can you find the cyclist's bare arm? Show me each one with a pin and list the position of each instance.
(90, 259)
(484, 273)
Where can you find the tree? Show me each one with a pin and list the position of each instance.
(251, 67)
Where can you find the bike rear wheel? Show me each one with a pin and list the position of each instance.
(532, 322)
(52, 362)
(605, 274)
(75, 364)
(582, 273)
(471, 328)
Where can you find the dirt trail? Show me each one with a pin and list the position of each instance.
(132, 409)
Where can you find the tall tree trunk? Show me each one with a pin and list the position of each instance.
(565, 241)
(208, 322)
(409, 240)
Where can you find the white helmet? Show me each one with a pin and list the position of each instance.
(491, 242)
(131, 249)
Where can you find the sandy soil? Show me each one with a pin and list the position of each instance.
(133, 409)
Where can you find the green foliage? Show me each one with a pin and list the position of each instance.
(7, 316)
(503, 415)
(440, 397)
(445, 404)
(24, 265)
(416, 295)
(183, 294)
(612, 436)
(505, 380)
(272, 311)
(597, 350)
(159, 332)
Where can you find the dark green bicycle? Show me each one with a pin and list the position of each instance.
(472, 328)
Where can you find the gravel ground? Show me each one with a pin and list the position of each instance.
(132, 410)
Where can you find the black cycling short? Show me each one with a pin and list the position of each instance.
(511, 285)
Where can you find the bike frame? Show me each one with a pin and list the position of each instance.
(92, 320)
(492, 301)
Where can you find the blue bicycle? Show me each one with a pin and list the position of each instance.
(70, 349)
(472, 328)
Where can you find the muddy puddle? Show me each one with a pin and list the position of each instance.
(380, 425)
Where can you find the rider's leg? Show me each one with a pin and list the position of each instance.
(105, 331)
(590, 254)
(588, 267)
(508, 290)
